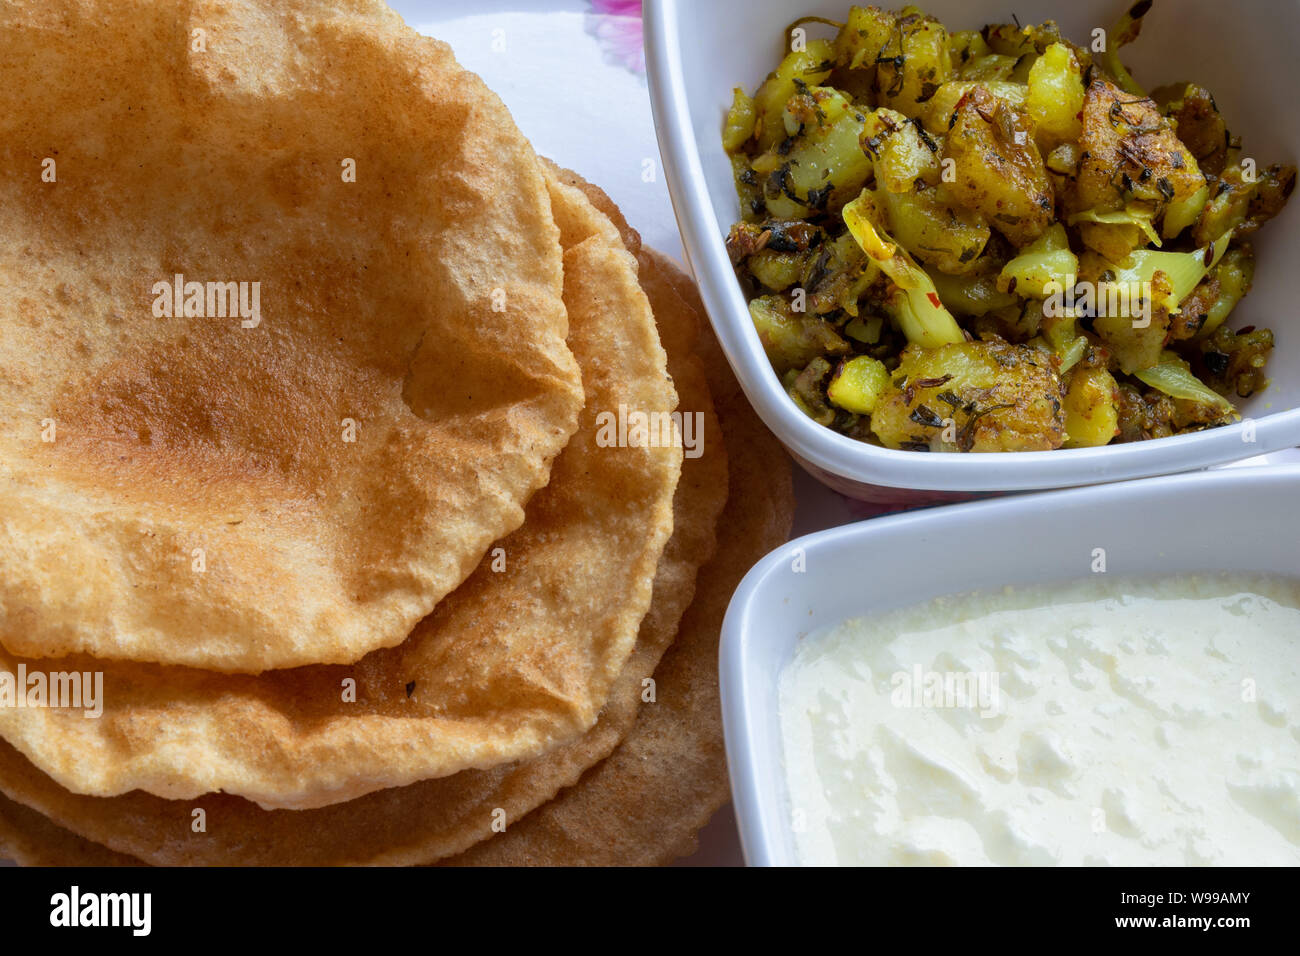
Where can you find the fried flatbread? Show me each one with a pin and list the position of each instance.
(30, 839)
(645, 804)
(435, 818)
(519, 659)
(300, 482)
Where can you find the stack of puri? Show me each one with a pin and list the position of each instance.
(325, 465)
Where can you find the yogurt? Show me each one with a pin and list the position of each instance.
(1131, 722)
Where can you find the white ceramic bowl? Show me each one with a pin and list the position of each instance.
(1243, 52)
(1235, 520)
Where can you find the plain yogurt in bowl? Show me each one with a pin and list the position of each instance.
(1119, 723)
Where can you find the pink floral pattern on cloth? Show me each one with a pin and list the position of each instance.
(617, 25)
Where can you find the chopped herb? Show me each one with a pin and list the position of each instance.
(933, 382)
(966, 436)
(817, 197)
(1216, 362)
(930, 144)
(923, 415)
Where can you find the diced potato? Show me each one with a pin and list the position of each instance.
(858, 383)
(1242, 205)
(1128, 154)
(830, 275)
(1274, 188)
(902, 153)
(748, 190)
(1144, 414)
(793, 339)
(775, 270)
(739, 128)
(913, 64)
(867, 31)
(1196, 120)
(935, 229)
(999, 171)
(840, 276)
(826, 165)
(965, 45)
(1114, 241)
(1010, 39)
(1063, 160)
(1194, 311)
(1055, 99)
(994, 66)
(1234, 362)
(938, 114)
(809, 66)
(1227, 209)
(744, 239)
(806, 387)
(1136, 339)
(1091, 408)
(976, 396)
(865, 329)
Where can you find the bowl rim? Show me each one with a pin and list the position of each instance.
(706, 254)
(742, 669)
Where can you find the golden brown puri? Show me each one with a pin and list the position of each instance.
(201, 502)
(510, 665)
(30, 839)
(600, 199)
(434, 818)
(645, 803)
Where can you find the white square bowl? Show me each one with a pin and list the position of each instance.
(697, 52)
(1239, 520)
